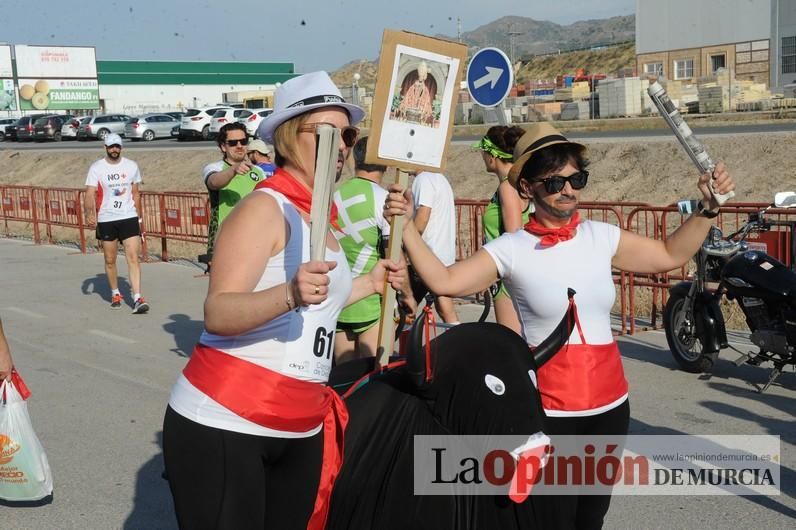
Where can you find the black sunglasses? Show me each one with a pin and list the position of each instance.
(349, 133)
(233, 143)
(556, 183)
(114, 146)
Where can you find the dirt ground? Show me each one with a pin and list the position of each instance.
(653, 171)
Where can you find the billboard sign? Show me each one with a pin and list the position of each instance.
(55, 62)
(58, 94)
(5, 62)
(8, 99)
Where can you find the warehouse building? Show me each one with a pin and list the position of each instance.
(687, 39)
(135, 87)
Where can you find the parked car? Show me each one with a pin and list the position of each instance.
(4, 123)
(178, 114)
(49, 127)
(253, 122)
(100, 126)
(225, 116)
(69, 128)
(22, 130)
(196, 122)
(175, 131)
(147, 127)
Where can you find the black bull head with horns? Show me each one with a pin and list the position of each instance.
(476, 379)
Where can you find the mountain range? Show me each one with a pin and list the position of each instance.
(530, 38)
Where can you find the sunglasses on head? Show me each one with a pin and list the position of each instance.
(556, 183)
(233, 143)
(349, 133)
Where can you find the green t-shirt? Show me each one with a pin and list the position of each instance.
(493, 220)
(222, 201)
(360, 212)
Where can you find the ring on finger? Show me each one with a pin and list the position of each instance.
(317, 289)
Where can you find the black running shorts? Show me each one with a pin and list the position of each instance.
(118, 230)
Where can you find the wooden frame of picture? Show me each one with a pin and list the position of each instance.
(417, 87)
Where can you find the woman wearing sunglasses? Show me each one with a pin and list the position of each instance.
(252, 434)
(507, 211)
(583, 386)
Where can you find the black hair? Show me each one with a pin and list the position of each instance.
(234, 126)
(550, 159)
(505, 138)
(360, 148)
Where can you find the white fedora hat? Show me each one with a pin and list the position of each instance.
(303, 94)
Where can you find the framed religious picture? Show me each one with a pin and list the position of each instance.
(417, 86)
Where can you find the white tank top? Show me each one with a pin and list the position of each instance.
(299, 343)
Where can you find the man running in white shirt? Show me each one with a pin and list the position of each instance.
(118, 220)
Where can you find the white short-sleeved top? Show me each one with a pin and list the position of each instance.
(434, 191)
(116, 184)
(538, 277)
(297, 344)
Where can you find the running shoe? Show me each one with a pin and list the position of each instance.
(116, 301)
(140, 306)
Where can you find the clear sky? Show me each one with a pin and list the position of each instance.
(313, 34)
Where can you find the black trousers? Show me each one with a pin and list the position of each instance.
(227, 480)
(583, 512)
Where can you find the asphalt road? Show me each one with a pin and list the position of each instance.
(101, 380)
(625, 135)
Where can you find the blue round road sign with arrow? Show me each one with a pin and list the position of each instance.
(489, 77)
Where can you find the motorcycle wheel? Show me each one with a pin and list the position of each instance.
(681, 335)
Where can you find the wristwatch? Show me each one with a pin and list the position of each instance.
(704, 212)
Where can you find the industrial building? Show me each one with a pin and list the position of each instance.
(687, 39)
(135, 87)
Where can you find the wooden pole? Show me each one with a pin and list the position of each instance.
(394, 249)
(327, 148)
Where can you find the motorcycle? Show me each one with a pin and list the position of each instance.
(763, 287)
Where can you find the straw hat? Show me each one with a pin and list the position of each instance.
(538, 136)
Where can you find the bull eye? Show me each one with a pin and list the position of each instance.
(532, 375)
(494, 384)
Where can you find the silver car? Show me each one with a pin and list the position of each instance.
(102, 125)
(69, 128)
(147, 127)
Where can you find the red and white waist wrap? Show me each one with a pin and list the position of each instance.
(583, 380)
(276, 401)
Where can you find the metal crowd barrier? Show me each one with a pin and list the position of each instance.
(184, 217)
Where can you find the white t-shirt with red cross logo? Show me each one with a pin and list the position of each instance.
(115, 185)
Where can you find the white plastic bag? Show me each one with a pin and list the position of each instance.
(24, 471)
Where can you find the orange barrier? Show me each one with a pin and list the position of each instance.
(17, 203)
(184, 216)
(175, 216)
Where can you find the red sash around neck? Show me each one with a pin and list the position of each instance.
(296, 192)
(276, 401)
(552, 236)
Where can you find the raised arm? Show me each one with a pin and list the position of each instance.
(241, 254)
(469, 276)
(644, 255)
(219, 179)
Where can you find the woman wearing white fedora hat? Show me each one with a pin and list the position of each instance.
(583, 387)
(252, 434)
